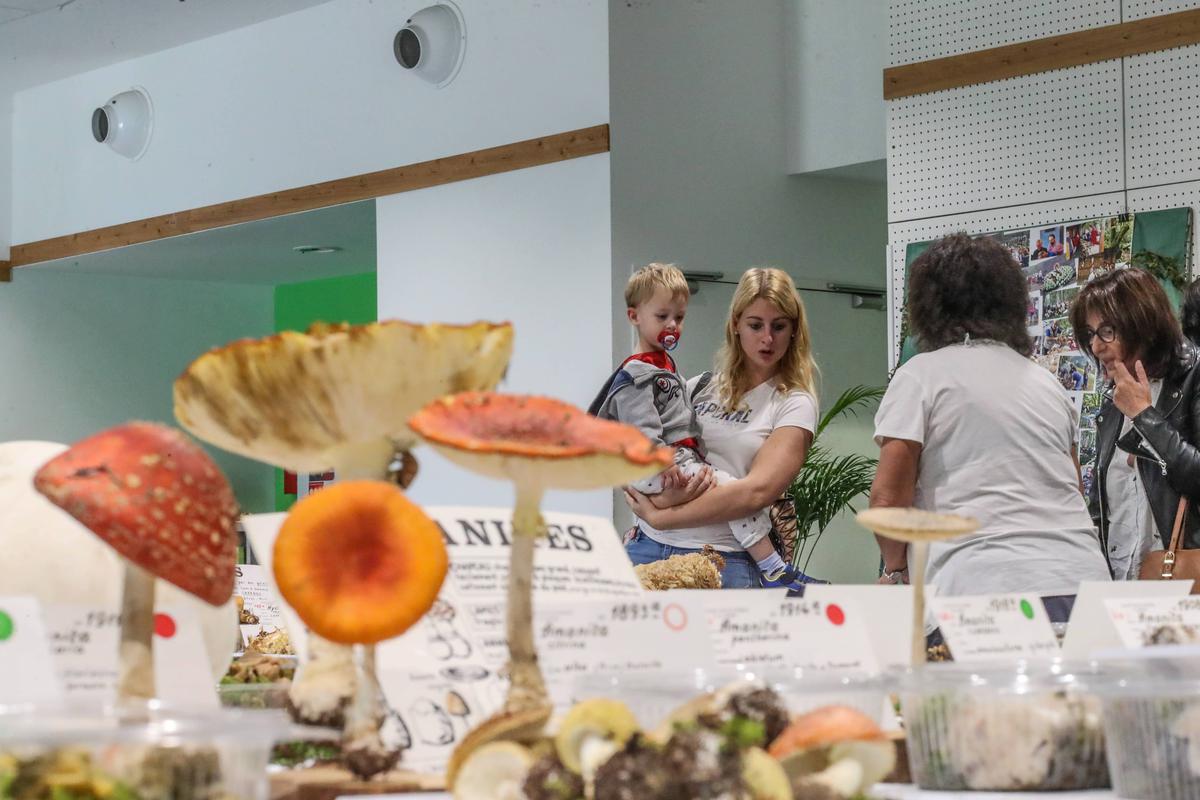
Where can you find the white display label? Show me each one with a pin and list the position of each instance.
(991, 627)
(766, 628)
(1091, 628)
(27, 673)
(1146, 621)
(85, 642)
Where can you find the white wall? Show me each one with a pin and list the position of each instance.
(836, 52)
(531, 247)
(699, 177)
(84, 352)
(303, 98)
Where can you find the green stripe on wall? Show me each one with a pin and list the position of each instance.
(352, 299)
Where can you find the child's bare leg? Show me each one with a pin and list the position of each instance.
(761, 549)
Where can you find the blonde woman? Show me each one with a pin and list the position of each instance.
(757, 416)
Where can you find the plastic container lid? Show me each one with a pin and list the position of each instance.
(142, 724)
(1022, 677)
(1167, 671)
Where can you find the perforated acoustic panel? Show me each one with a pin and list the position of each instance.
(1137, 9)
(1162, 96)
(1023, 140)
(1026, 216)
(919, 30)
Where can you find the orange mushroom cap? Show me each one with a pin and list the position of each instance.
(552, 442)
(157, 499)
(359, 562)
(823, 727)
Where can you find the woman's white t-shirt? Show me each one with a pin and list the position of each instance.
(996, 432)
(732, 440)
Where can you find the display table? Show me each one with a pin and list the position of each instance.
(907, 791)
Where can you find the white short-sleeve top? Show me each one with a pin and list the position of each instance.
(732, 440)
(996, 432)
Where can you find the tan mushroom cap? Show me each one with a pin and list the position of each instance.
(517, 726)
(914, 524)
(826, 726)
(537, 441)
(337, 396)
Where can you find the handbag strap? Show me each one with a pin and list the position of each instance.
(1180, 519)
(1168, 563)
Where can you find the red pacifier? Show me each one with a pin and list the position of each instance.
(668, 340)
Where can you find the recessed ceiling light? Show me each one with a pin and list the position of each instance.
(305, 249)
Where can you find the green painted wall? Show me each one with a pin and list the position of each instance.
(352, 299)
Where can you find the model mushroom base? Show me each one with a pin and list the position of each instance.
(158, 500)
(736, 743)
(537, 443)
(360, 563)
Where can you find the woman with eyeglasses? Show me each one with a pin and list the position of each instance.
(1146, 456)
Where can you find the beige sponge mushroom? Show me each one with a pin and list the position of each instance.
(837, 747)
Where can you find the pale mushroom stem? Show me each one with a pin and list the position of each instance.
(366, 709)
(527, 688)
(135, 681)
(918, 555)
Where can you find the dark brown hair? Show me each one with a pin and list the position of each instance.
(962, 286)
(1189, 312)
(1133, 302)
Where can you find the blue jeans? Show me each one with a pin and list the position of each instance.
(740, 570)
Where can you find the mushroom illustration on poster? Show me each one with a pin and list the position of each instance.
(1058, 259)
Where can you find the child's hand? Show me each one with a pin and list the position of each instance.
(672, 478)
(687, 490)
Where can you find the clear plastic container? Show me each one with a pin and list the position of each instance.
(653, 696)
(145, 753)
(254, 695)
(1022, 727)
(1151, 701)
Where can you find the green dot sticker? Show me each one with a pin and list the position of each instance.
(6, 626)
(1026, 609)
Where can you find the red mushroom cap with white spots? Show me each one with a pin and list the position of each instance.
(157, 499)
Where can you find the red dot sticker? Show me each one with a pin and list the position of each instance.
(164, 626)
(835, 614)
(675, 617)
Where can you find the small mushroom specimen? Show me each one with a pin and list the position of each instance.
(590, 733)
(537, 443)
(495, 771)
(835, 749)
(918, 528)
(360, 563)
(337, 397)
(161, 503)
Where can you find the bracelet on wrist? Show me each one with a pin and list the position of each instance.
(895, 574)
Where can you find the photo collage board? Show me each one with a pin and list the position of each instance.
(1057, 260)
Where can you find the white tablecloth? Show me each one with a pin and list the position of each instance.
(884, 791)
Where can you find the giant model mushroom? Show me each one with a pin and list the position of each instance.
(158, 500)
(360, 563)
(337, 397)
(537, 443)
(918, 528)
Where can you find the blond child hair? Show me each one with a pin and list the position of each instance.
(646, 281)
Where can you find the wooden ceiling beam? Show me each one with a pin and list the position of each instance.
(1132, 38)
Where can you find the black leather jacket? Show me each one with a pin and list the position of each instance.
(1162, 438)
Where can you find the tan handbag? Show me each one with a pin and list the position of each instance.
(1175, 563)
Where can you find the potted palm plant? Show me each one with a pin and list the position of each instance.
(829, 482)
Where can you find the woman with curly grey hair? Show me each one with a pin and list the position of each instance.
(972, 426)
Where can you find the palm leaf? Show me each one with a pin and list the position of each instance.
(830, 483)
